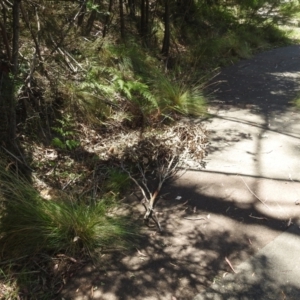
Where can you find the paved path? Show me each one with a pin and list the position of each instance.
(254, 161)
(273, 273)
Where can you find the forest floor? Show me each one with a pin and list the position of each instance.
(215, 218)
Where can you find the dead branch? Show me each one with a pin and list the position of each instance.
(230, 265)
(67, 58)
(165, 170)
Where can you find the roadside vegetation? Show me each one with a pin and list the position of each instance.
(96, 99)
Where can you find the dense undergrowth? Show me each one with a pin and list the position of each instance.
(93, 71)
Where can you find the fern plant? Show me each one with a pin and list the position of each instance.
(67, 136)
(103, 88)
(137, 92)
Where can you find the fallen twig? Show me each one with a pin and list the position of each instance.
(259, 218)
(230, 265)
(21, 162)
(194, 219)
(140, 253)
(253, 193)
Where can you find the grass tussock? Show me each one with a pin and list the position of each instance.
(177, 96)
(30, 224)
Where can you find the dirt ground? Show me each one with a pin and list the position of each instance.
(213, 219)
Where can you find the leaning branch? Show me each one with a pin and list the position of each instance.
(165, 170)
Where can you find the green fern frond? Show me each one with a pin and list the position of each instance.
(150, 97)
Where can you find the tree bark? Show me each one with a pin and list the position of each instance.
(108, 17)
(166, 40)
(144, 27)
(122, 22)
(81, 14)
(5, 41)
(16, 35)
(8, 74)
(90, 22)
(143, 18)
(131, 5)
(4, 31)
(15, 68)
(147, 18)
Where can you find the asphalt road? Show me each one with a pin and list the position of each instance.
(255, 140)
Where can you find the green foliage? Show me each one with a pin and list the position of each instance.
(66, 144)
(142, 83)
(249, 7)
(218, 33)
(178, 96)
(67, 135)
(133, 61)
(123, 78)
(91, 103)
(137, 92)
(116, 181)
(30, 225)
(290, 9)
(90, 6)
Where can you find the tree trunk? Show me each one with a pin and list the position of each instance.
(166, 40)
(143, 18)
(5, 41)
(3, 30)
(122, 22)
(131, 5)
(90, 22)
(81, 14)
(147, 18)
(15, 67)
(16, 35)
(108, 18)
(8, 75)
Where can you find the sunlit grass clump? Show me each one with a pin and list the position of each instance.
(179, 97)
(30, 224)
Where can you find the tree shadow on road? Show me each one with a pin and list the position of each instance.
(266, 83)
(162, 268)
(265, 86)
(188, 256)
(257, 282)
